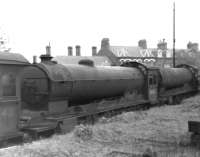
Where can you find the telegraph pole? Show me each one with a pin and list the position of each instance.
(174, 40)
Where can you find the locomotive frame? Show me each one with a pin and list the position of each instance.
(153, 92)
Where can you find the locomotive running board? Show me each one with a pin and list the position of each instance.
(70, 119)
(94, 108)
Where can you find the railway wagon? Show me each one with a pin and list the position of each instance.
(10, 95)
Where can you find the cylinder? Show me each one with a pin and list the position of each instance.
(70, 51)
(174, 77)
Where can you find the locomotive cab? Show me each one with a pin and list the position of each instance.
(151, 80)
(153, 76)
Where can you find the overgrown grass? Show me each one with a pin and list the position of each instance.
(160, 131)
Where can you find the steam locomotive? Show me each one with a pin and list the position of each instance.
(46, 96)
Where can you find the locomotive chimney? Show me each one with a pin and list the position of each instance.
(34, 59)
(48, 50)
(47, 56)
(70, 51)
(94, 50)
(78, 50)
(142, 44)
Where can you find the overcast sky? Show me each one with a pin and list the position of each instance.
(30, 24)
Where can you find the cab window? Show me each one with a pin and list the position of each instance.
(152, 80)
(8, 82)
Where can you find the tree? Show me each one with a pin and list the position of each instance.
(4, 43)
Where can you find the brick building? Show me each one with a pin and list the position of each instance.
(160, 56)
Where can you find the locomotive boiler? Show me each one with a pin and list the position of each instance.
(54, 87)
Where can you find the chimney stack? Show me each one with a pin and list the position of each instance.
(162, 45)
(78, 50)
(193, 46)
(94, 50)
(105, 44)
(70, 51)
(142, 44)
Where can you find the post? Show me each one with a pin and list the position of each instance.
(174, 40)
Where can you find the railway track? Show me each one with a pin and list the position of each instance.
(66, 122)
